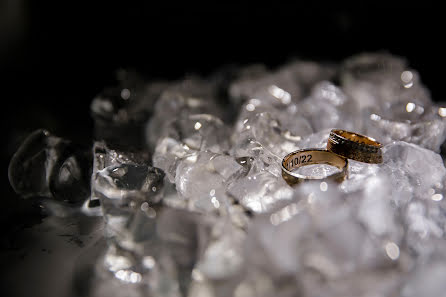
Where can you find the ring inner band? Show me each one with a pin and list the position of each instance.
(308, 157)
(357, 138)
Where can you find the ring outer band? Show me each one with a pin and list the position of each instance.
(352, 145)
(321, 157)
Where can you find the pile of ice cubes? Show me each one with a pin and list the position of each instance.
(187, 177)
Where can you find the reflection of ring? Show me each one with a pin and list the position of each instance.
(309, 157)
(354, 146)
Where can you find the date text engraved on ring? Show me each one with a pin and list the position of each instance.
(299, 160)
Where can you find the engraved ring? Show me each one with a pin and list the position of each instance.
(354, 146)
(305, 157)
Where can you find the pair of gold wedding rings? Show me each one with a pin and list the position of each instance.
(341, 146)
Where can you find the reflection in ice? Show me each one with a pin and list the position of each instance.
(410, 107)
(128, 276)
(284, 214)
(323, 186)
(392, 250)
(280, 94)
(148, 262)
(437, 197)
(406, 78)
(197, 126)
(318, 171)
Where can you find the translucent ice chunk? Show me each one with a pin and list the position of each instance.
(269, 131)
(406, 124)
(328, 107)
(52, 167)
(129, 196)
(286, 84)
(186, 134)
(103, 157)
(317, 170)
(223, 257)
(168, 154)
(377, 79)
(376, 210)
(260, 191)
(201, 132)
(423, 229)
(385, 283)
(262, 135)
(271, 249)
(145, 271)
(127, 102)
(428, 277)
(315, 140)
(222, 261)
(192, 96)
(200, 179)
(180, 232)
(310, 73)
(120, 112)
(424, 168)
(127, 180)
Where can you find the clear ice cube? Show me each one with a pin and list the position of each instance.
(48, 166)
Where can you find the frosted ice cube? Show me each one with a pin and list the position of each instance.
(186, 134)
(201, 183)
(328, 107)
(424, 168)
(191, 96)
(377, 79)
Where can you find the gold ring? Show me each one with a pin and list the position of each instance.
(305, 157)
(354, 146)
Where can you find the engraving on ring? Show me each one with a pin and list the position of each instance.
(333, 139)
(299, 160)
(354, 146)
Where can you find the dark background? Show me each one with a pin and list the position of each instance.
(55, 57)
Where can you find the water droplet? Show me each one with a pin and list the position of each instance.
(197, 125)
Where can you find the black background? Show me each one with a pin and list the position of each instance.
(55, 57)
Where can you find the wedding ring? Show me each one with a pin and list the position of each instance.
(354, 146)
(305, 157)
